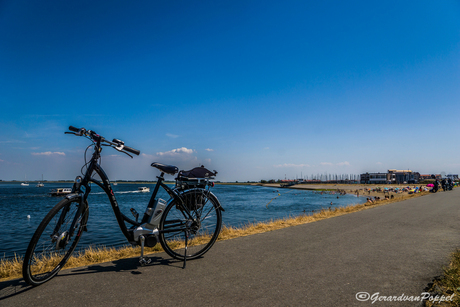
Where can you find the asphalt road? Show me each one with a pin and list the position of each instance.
(391, 250)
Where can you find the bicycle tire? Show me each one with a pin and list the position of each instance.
(50, 247)
(174, 225)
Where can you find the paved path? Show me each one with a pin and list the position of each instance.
(394, 249)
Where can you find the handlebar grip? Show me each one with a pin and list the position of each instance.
(72, 128)
(132, 150)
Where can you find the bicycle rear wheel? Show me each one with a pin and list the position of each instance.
(54, 241)
(200, 232)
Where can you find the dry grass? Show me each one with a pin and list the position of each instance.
(12, 268)
(448, 285)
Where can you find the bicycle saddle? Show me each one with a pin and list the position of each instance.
(168, 169)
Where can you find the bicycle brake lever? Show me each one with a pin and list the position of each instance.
(70, 133)
(128, 154)
(120, 149)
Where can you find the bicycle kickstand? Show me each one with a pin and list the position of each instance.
(185, 253)
(143, 260)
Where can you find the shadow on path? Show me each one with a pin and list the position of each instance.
(17, 286)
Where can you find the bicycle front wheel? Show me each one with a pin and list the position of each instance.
(54, 241)
(199, 232)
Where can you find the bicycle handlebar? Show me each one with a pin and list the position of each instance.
(94, 136)
(72, 128)
(132, 150)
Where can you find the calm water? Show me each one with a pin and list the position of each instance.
(242, 204)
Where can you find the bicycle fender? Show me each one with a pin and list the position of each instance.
(218, 202)
(79, 197)
(73, 196)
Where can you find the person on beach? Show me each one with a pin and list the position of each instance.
(435, 186)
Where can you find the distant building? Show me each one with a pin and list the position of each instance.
(392, 176)
(373, 178)
(403, 176)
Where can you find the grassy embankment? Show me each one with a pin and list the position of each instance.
(449, 283)
(11, 268)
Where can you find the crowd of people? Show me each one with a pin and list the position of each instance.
(446, 184)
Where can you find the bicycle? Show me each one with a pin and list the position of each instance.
(187, 225)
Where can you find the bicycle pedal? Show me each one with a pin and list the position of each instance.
(144, 261)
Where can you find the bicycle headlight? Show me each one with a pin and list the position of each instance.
(77, 183)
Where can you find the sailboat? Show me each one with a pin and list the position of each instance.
(40, 184)
(25, 183)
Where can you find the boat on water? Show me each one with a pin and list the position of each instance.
(143, 189)
(60, 191)
(40, 183)
(25, 183)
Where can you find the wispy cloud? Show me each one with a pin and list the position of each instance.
(175, 152)
(174, 136)
(48, 153)
(209, 149)
(292, 165)
(339, 164)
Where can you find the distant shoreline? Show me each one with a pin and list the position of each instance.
(364, 190)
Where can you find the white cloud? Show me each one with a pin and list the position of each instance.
(379, 163)
(339, 164)
(172, 135)
(209, 149)
(292, 165)
(176, 152)
(48, 153)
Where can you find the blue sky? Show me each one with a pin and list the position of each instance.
(253, 89)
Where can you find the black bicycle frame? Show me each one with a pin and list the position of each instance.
(106, 187)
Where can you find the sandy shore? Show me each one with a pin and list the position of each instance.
(362, 190)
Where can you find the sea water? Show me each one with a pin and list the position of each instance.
(23, 207)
